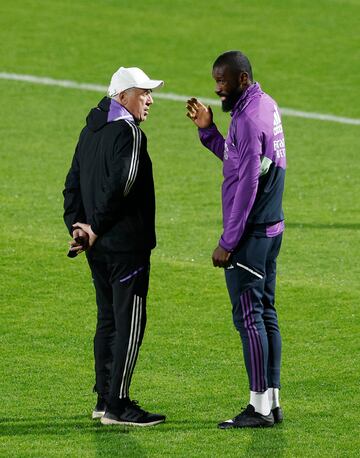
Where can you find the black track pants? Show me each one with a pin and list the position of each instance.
(121, 290)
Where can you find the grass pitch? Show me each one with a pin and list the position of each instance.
(190, 366)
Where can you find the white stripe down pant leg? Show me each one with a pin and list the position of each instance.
(122, 333)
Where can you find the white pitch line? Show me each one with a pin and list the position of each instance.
(167, 96)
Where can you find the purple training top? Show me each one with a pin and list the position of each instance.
(254, 163)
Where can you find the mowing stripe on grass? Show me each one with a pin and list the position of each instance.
(167, 96)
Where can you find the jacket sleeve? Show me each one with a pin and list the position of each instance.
(249, 144)
(73, 205)
(212, 139)
(123, 171)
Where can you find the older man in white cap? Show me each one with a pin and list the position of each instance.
(109, 205)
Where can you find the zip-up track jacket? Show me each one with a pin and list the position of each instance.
(254, 163)
(110, 183)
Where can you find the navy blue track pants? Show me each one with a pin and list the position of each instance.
(250, 279)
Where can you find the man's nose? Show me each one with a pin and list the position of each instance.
(217, 88)
(149, 100)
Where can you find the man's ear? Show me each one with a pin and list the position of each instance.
(123, 98)
(244, 79)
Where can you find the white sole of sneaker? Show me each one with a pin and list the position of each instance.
(109, 421)
(97, 414)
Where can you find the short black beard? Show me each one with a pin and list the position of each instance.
(230, 101)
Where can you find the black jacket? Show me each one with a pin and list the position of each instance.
(110, 186)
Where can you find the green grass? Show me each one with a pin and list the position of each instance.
(190, 365)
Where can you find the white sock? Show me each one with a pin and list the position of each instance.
(260, 401)
(274, 398)
(270, 395)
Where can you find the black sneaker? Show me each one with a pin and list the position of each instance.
(248, 418)
(99, 409)
(131, 414)
(278, 414)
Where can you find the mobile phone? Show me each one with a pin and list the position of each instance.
(80, 241)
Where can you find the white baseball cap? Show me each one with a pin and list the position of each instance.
(127, 78)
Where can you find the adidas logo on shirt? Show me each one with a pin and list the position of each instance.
(277, 122)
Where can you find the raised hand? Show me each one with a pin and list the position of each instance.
(201, 115)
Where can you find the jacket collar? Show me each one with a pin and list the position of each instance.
(118, 111)
(251, 92)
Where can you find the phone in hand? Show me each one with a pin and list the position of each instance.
(79, 241)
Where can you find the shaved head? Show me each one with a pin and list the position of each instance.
(236, 61)
(233, 75)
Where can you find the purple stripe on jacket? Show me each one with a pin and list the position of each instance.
(275, 229)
